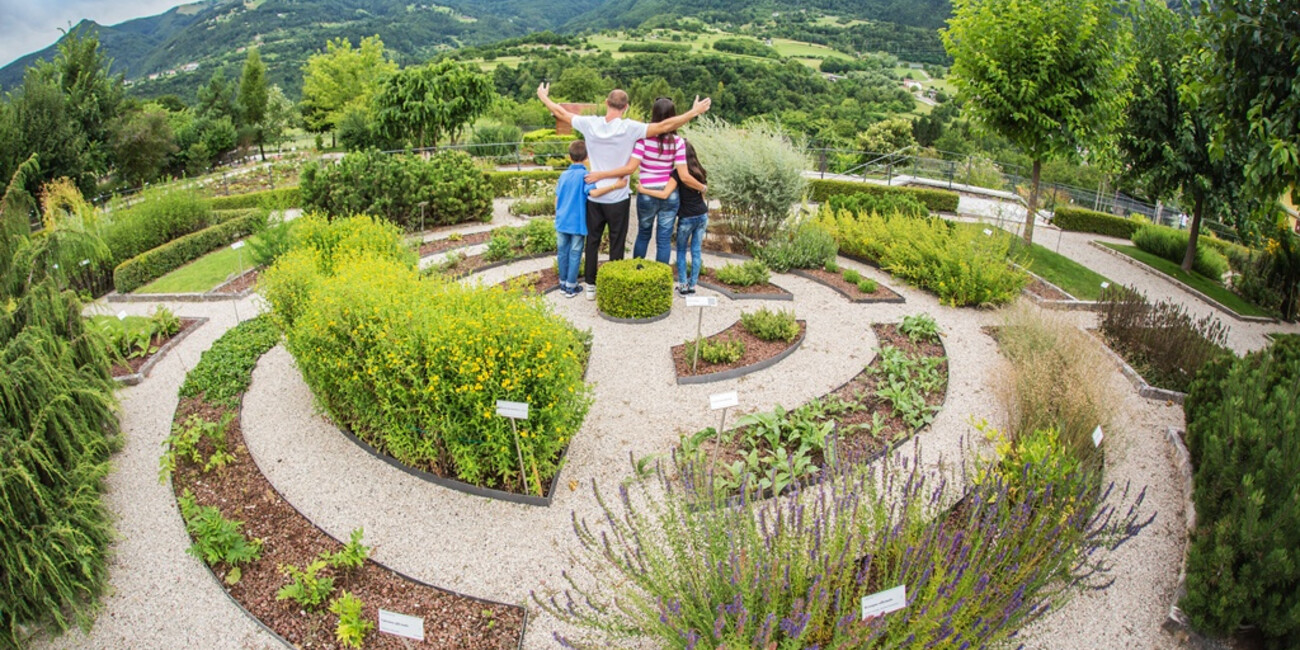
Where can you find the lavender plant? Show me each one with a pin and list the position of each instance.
(789, 573)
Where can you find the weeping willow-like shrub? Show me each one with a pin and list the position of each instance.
(57, 421)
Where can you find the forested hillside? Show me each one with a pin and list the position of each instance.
(630, 13)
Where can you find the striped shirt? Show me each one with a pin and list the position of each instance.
(657, 162)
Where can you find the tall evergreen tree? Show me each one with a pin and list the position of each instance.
(253, 98)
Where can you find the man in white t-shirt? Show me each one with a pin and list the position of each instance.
(609, 145)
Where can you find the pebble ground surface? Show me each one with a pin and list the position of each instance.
(160, 597)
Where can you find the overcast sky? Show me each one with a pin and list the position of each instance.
(30, 25)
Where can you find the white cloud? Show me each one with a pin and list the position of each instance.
(30, 25)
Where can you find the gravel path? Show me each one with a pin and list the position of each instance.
(162, 598)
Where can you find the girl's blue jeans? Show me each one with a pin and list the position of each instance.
(657, 217)
(690, 233)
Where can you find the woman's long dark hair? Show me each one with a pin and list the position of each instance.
(693, 165)
(663, 109)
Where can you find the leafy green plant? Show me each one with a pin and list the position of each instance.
(634, 288)
(831, 266)
(272, 241)
(352, 629)
(217, 540)
(164, 321)
(225, 369)
(746, 274)
(882, 204)
(852, 276)
(771, 325)
(935, 200)
(306, 587)
(186, 438)
(716, 352)
(806, 246)
(1171, 244)
(905, 381)
(919, 327)
(539, 207)
(510, 242)
(394, 186)
(867, 285)
(352, 555)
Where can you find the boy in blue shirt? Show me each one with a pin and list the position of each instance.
(571, 194)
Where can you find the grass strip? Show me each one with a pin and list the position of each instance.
(201, 275)
(1072, 277)
(1214, 290)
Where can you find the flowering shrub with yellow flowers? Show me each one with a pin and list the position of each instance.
(415, 365)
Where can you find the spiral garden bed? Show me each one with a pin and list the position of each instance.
(848, 289)
(758, 355)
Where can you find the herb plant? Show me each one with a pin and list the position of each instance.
(771, 325)
(867, 285)
(186, 438)
(748, 274)
(217, 540)
(306, 587)
(717, 352)
(920, 327)
(352, 627)
(352, 555)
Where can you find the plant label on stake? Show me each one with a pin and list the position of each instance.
(236, 247)
(517, 411)
(121, 315)
(988, 232)
(884, 602)
(721, 401)
(1097, 436)
(701, 302)
(1105, 285)
(411, 627)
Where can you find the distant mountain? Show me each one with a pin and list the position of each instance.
(182, 47)
(617, 14)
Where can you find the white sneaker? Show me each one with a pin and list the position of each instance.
(591, 293)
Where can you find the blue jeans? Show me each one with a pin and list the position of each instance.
(690, 232)
(569, 256)
(655, 216)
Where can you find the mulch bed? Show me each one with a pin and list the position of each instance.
(242, 493)
(126, 367)
(439, 245)
(856, 442)
(537, 282)
(837, 281)
(710, 275)
(1046, 292)
(239, 284)
(756, 350)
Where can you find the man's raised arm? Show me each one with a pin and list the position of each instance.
(560, 113)
(673, 123)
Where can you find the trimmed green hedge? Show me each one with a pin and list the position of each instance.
(1084, 220)
(936, 200)
(634, 288)
(509, 183)
(285, 197)
(153, 264)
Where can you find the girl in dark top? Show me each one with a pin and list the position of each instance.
(692, 219)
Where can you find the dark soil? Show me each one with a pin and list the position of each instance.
(239, 284)
(710, 275)
(537, 282)
(837, 281)
(126, 367)
(242, 493)
(756, 350)
(445, 244)
(1046, 292)
(855, 442)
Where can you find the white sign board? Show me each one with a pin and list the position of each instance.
(724, 400)
(411, 627)
(701, 301)
(988, 232)
(1105, 285)
(85, 262)
(121, 315)
(237, 245)
(884, 602)
(512, 410)
(1097, 436)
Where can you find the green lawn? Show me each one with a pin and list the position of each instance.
(201, 275)
(1196, 281)
(1072, 277)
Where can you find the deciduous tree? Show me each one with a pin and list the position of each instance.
(252, 99)
(421, 104)
(340, 78)
(142, 142)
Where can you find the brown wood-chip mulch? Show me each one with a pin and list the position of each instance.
(245, 281)
(242, 493)
(710, 275)
(445, 244)
(124, 367)
(837, 281)
(1047, 292)
(756, 350)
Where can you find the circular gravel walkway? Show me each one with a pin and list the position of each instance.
(162, 598)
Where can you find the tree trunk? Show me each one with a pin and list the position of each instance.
(261, 150)
(1033, 204)
(1190, 256)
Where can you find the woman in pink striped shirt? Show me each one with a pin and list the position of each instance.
(656, 157)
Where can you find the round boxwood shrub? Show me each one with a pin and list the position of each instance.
(634, 289)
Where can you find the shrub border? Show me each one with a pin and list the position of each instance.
(1139, 383)
(1178, 283)
(138, 376)
(733, 373)
(857, 301)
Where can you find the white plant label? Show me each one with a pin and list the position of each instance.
(884, 602)
(701, 301)
(56, 266)
(1105, 285)
(724, 400)
(1097, 436)
(237, 245)
(85, 262)
(988, 232)
(411, 627)
(512, 410)
(121, 315)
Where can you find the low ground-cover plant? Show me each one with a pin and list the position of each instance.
(904, 381)
(920, 327)
(217, 540)
(224, 370)
(511, 242)
(306, 586)
(1171, 244)
(634, 288)
(746, 274)
(960, 265)
(776, 449)
(771, 325)
(188, 440)
(132, 337)
(806, 246)
(1242, 419)
(394, 186)
(790, 572)
(1161, 341)
(720, 351)
(415, 365)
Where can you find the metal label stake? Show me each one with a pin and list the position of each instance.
(238, 247)
(701, 302)
(517, 411)
(721, 401)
